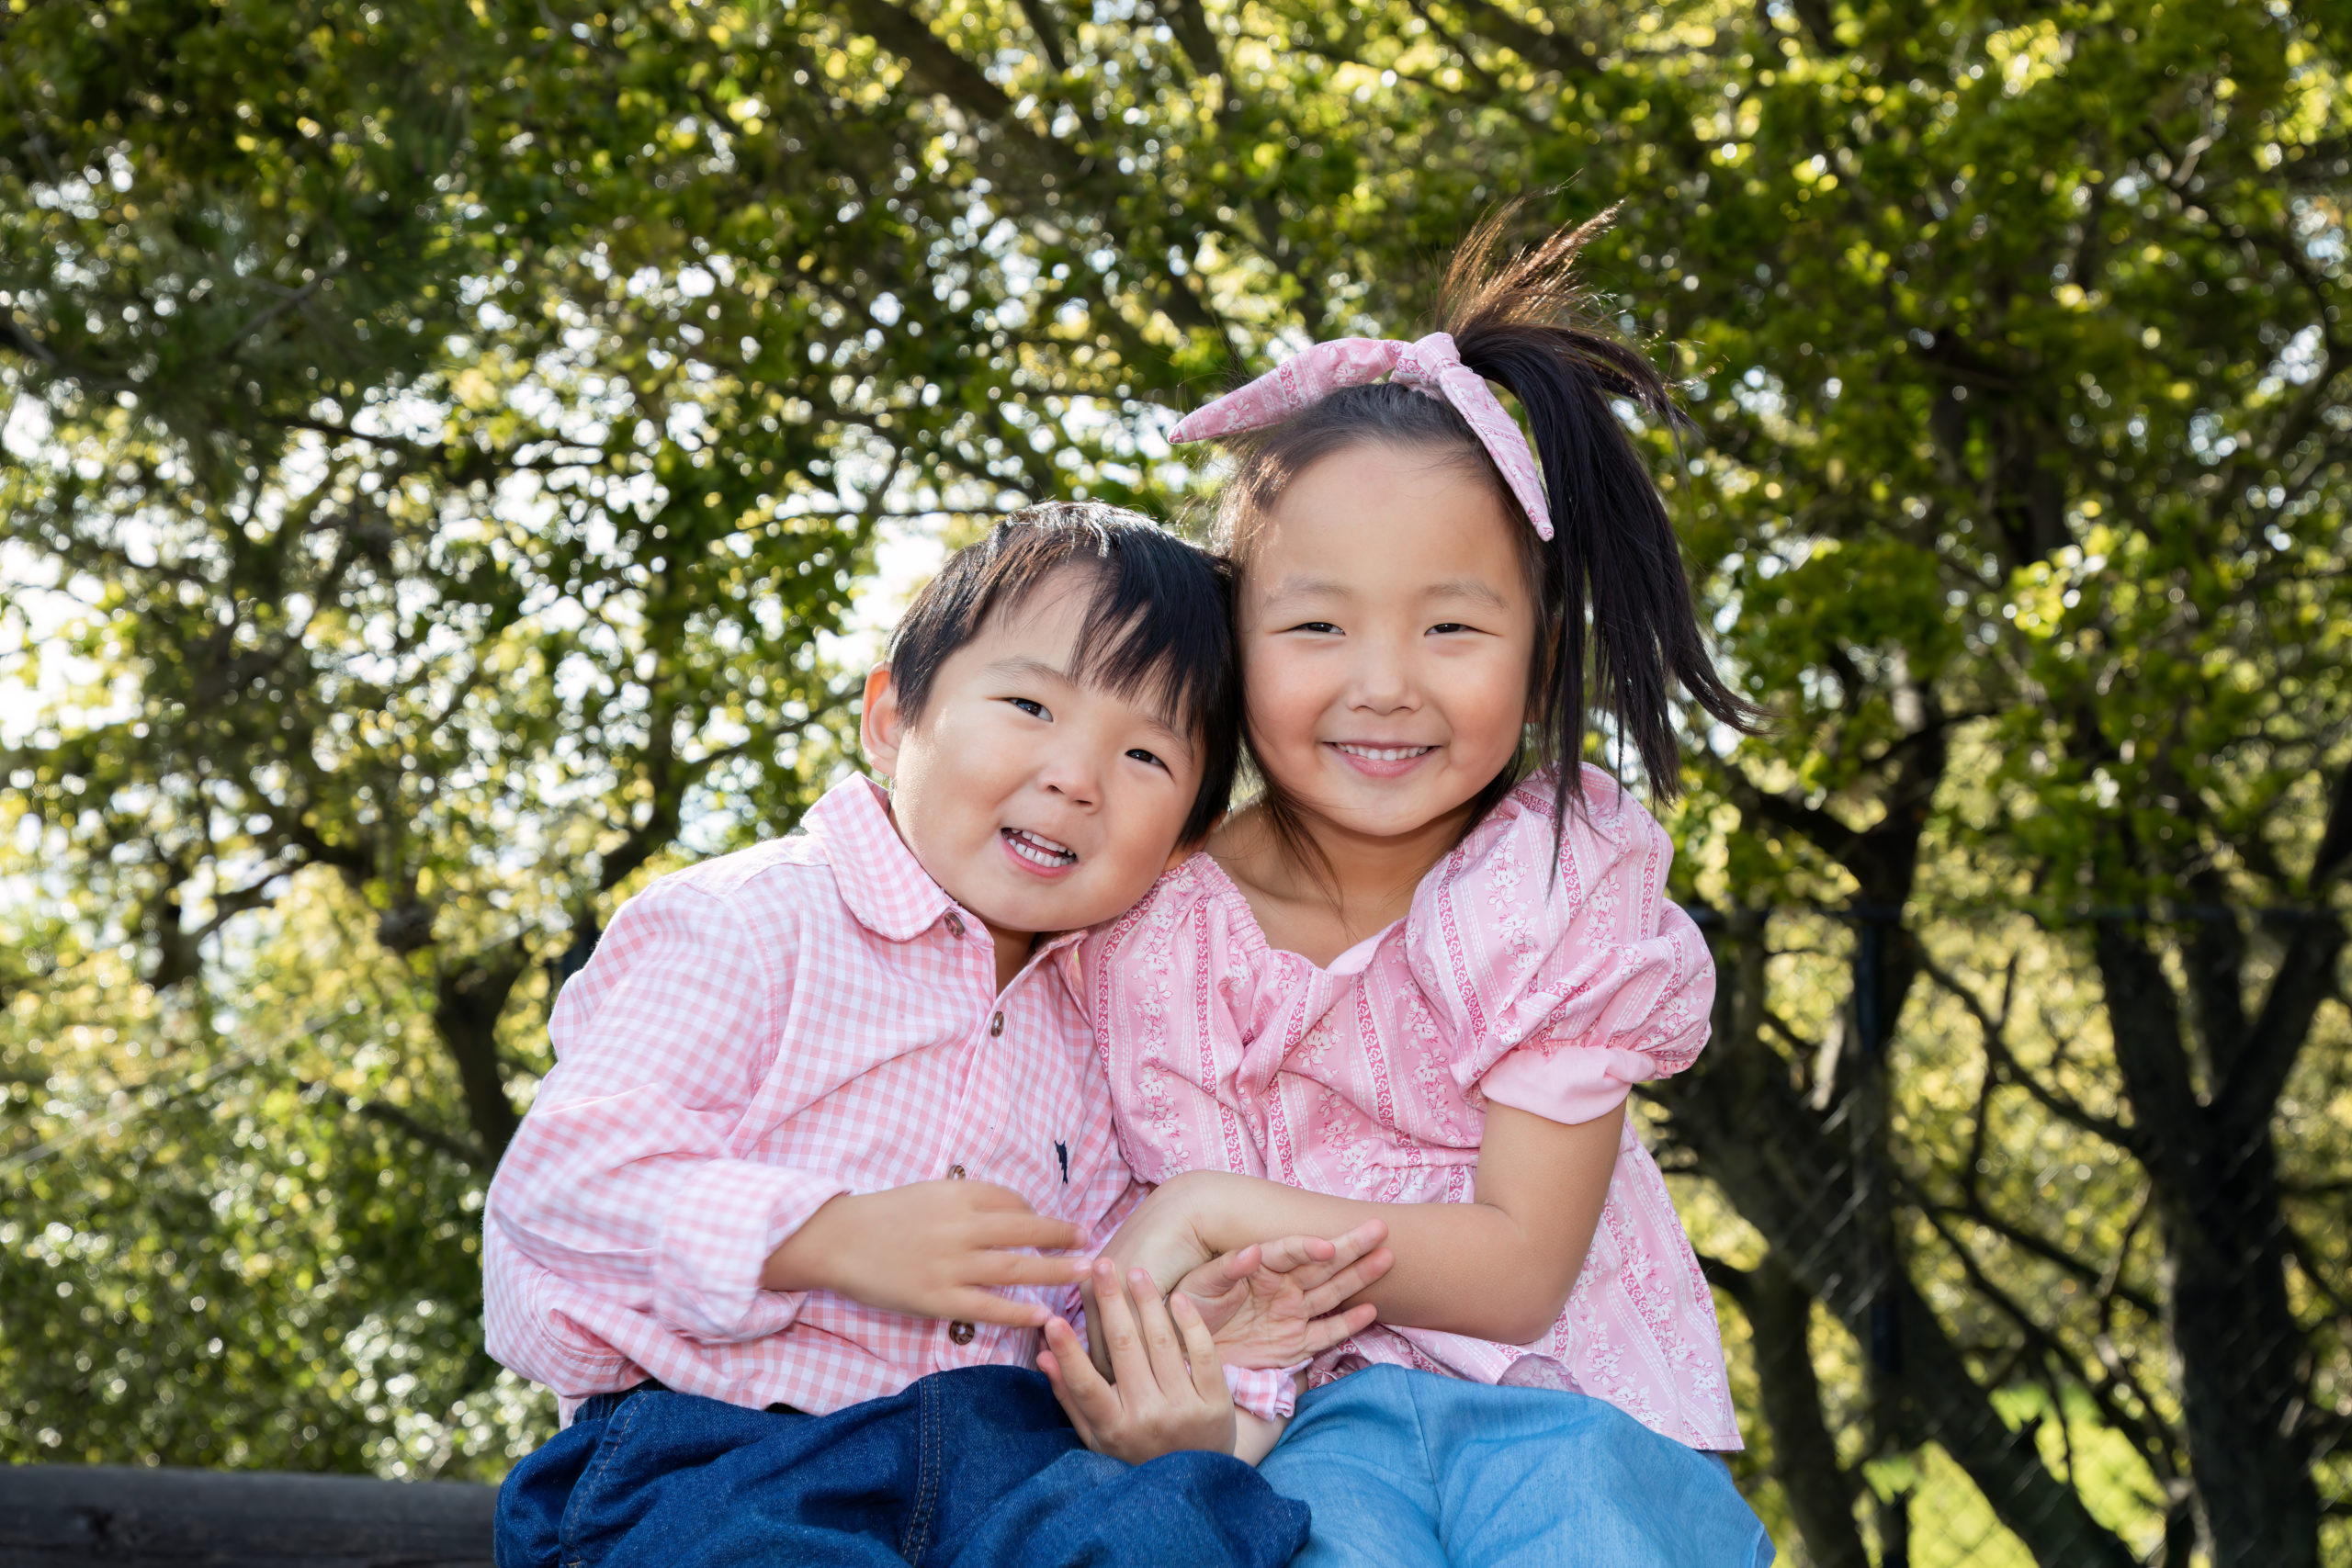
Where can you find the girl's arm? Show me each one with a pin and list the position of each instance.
(1499, 1268)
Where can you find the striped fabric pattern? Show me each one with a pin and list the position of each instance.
(1549, 981)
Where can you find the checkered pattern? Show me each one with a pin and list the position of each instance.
(755, 1035)
(1551, 981)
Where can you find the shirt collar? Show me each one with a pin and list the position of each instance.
(879, 878)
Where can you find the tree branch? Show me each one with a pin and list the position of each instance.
(457, 1148)
(2305, 978)
(2167, 1132)
(1551, 50)
(2049, 1251)
(1040, 17)
(2156, 1445)
(1195, 37)
(1997, 1053)
(935, 67)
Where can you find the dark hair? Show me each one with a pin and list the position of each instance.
(1526, 323)
(1159, 630)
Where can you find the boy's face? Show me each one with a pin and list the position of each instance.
(1039, 804)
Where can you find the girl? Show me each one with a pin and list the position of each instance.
(1412, 981)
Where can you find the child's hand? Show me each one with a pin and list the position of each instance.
(1266, 1305)
(1159, 1235)
(1169, 1396)
(933, 1249)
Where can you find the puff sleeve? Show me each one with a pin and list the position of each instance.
(1561, 978)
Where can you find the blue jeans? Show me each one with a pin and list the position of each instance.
(1411, 1470)
(962, 1470)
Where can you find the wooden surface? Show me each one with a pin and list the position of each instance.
(51, 1516)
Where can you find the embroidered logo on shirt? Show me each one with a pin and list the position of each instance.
(1061, 1151)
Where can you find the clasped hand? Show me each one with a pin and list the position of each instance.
(1165, 1390)
(1156, 1383)
(1272, 1305)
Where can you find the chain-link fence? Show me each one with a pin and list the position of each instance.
(2029, 1230)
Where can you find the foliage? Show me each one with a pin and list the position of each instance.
(234, 1252)
(455, 426)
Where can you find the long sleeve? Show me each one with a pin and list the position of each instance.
(1563, 978)
(625, 1178)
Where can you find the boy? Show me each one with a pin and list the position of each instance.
(781, 1226)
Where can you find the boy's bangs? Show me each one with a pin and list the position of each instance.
(1154, 651)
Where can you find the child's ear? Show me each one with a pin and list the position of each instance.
(882, 722)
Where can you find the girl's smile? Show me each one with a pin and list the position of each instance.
(1381, 762)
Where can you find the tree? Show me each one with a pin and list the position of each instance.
(2016, 488)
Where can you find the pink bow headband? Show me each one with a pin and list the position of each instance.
(1432, 367)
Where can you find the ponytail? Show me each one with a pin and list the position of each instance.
(1530, 326)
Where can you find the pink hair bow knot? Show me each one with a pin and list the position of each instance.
(1432, 366)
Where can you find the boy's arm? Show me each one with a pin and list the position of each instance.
(1499, 1268)
(622, 1180)
(939, 1249)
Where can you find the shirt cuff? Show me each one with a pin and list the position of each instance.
(1269, 1394)
(527, 1330)
(1566, 1083)
(722, 1224)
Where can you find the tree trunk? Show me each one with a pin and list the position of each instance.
(2243, 1374)
(1739, 1115)
(1805, 1455)
(468, 997)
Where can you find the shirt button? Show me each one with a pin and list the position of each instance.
(961, 1333)
(954, 1173)
(996, 1026)
(956, 926)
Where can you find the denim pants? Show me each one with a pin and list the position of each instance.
(963, 1469)
(1411, 1470)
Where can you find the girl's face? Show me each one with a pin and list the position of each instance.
(1387, 632)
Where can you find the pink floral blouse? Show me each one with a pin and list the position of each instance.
(1370, 1079)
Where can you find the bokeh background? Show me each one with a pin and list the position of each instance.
(458, 453)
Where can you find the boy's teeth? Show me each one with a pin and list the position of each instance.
(1383, 753)
(1038, 848)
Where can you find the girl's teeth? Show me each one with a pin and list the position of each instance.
(1386, 753)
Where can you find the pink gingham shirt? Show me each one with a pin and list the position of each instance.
(1370, 1079)
(755, 1036)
